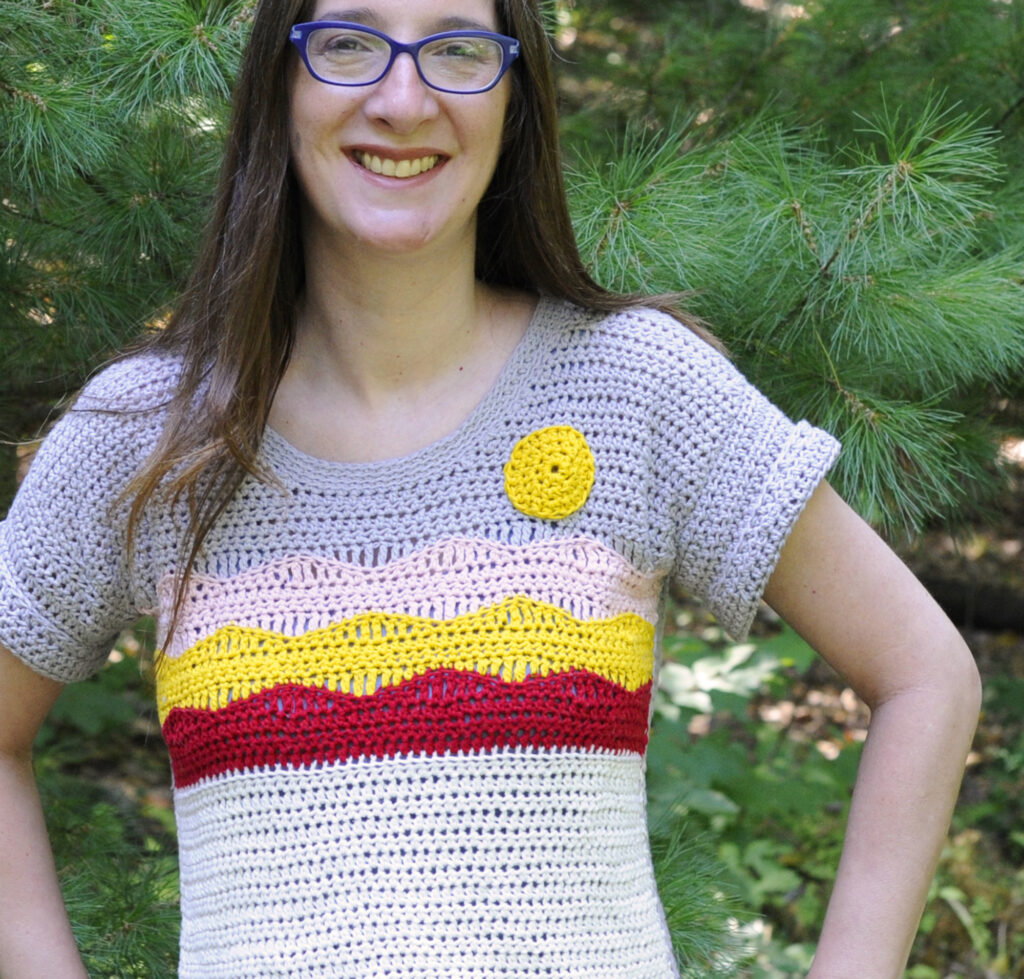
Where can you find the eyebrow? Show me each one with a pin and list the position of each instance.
(369, 18)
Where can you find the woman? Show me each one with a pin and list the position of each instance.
(411, 491)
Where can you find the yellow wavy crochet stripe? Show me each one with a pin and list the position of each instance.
(513, 639)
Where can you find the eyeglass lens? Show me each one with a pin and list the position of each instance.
(350, 57)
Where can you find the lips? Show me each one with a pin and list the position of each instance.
(399, 169)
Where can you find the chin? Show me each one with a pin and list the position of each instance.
(405, 238)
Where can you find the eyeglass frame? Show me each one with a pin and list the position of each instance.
(300, 33)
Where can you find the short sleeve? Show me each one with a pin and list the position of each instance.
(738, 473)
(65, 583)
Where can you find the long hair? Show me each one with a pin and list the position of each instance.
(234, 326)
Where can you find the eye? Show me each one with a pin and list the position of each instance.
(336, 44)
(342, 44)
(464, 52)
(460, 48)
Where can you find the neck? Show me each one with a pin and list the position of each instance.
(392, 352)
(380, 322)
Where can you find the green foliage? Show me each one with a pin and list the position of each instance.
(1001, 811)
(113, 838)
(772, 808)
(105, 705)
(701, 915)
(853, 287)
(100, 705)
(863, 263)
(824, 61)
(771, 802)
(111, 119)
(119, 881)
(973, 913)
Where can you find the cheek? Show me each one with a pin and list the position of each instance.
(500, 122)
(498, 138)
(308, 135)
(308, 105)
(303, 162)
(299, 164)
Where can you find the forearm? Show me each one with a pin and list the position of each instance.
(906, 789)
(35, 936)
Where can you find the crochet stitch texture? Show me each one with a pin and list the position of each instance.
(407, 704)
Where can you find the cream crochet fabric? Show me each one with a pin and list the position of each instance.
(407, 708)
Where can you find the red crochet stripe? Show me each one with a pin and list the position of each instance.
(438, 712)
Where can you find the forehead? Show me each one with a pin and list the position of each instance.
(418, 16)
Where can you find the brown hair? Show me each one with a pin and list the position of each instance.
(234, 325)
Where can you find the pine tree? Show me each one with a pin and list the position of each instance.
(111, 118)
(845, 202)
(854, 288)
(823, 61)
(119, 882)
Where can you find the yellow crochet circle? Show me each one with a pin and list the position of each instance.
(550, 473)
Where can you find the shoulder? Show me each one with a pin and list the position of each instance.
(143, 382)
(655, 349)
(112, 425)
(698, 403)
(640, 330)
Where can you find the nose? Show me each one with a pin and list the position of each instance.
(401, 98)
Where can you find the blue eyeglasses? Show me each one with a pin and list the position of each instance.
(461, 62)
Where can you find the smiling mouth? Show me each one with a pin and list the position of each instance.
(401, 169)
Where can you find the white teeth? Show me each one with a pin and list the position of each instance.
(401, 169)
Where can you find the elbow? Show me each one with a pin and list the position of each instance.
(956, 685)
(943, 677)
(957, 698)
(971, 687)
(960, 674)
(974, 679)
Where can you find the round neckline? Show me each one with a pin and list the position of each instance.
(283, 456)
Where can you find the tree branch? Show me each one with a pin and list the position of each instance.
(1005, 117)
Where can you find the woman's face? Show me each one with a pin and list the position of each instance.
(396, 166)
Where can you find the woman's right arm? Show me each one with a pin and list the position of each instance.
(35, 935)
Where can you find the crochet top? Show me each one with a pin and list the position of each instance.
(407, 705)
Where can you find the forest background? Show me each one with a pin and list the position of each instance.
(836, 186)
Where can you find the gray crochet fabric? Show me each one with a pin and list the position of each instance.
(442, 663)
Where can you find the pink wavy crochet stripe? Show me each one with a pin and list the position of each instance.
(452, 577)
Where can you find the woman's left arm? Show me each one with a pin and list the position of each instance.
(860, 607)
